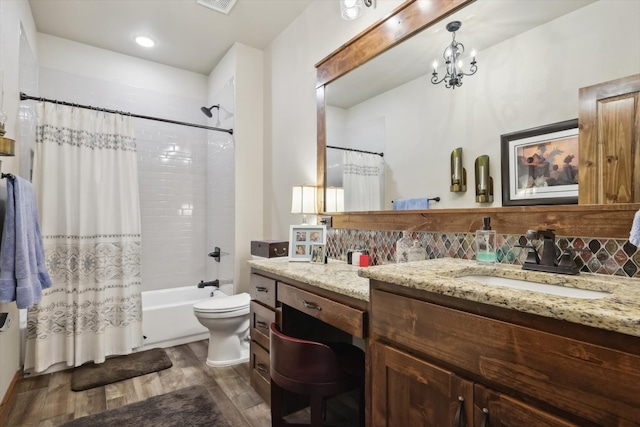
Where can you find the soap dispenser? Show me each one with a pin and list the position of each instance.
(486, 242)
(403, 245)
(417, 252)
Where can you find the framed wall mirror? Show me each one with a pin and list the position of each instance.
(375, 94)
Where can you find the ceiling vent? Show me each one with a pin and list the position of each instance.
(222, 6)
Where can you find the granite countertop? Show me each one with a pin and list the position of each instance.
(619, 311)
(336, 276)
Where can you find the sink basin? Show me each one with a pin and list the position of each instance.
(537, 287)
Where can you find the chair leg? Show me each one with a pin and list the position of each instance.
(316, 411)
(361, 406)
(276, 405)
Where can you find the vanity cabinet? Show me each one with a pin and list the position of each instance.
(491, 408)
(263, 313)
(408, 391)
(435, 357)
(301, 309)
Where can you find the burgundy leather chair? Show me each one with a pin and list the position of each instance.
(313, 369)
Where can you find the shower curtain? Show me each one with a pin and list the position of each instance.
(363, 181)
(86, 181)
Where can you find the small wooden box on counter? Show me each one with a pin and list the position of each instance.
(270, 248)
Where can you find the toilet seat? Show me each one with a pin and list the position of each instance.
(234, 305)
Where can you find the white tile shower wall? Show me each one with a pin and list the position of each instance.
(172, 165)
(221, 186)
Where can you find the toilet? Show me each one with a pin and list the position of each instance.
(227, 319)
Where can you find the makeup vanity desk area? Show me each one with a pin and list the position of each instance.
(312, 301)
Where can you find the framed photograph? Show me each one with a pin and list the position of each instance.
(540, 165)
(302, 237)
(317, 253)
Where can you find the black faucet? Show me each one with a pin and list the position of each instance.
(550, 261)
(214, 283)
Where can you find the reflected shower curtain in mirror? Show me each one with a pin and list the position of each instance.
(363, 181)
(86, 181)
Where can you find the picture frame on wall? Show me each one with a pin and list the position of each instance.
(318, 253)
(540, 165)
(302, 238)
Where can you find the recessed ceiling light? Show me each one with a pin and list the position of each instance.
(145, 41)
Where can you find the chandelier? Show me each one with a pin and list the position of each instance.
(452, 61)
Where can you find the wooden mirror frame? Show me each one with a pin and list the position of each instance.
(613, 221)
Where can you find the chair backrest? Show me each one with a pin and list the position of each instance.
(303, 361)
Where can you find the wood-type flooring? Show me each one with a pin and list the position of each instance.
(48, 401)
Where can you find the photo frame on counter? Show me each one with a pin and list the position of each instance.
(318, 253)
(302, 238)
(540, 165)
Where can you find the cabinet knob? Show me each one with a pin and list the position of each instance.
(485, 418)
(312, 305)
(262, 289)
(458, 420)
(261, 324)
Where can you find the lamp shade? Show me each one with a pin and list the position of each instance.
(351, 9)
(303, 200)
(335, 199)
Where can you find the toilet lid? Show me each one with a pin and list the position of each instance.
(230, 303)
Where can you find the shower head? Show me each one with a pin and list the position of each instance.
(207, 111)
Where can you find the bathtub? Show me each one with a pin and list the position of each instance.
(168, 319)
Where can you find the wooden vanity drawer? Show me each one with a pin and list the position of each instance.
(261, 318)
(259, 378)
(591, 381)
(348, 319)
(263, 289)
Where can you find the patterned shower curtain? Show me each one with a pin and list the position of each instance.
(363, 181)
(86, 181)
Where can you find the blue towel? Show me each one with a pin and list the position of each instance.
(409, 204)
(23, 273)
(634, 234)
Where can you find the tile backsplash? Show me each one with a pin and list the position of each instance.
(593, 255)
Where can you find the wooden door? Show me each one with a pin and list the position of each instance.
(609, 132)
(407, 391)
(492, 409)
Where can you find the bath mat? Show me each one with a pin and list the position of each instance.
(119, 368)
(190, 406)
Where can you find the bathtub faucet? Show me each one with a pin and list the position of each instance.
(214, 283)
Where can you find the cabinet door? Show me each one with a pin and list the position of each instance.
(407, 391)
(610, 142)
(493, 409)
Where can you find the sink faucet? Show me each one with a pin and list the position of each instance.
(549, 262)
(549, 254)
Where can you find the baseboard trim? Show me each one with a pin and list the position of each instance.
(9, 398)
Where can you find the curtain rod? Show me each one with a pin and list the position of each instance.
(356, 150)
(24, 97)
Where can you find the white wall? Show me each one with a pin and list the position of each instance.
(242, 68)
(525, 82)
(13, 14)
(290, 75)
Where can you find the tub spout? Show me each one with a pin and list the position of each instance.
(214, 283)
